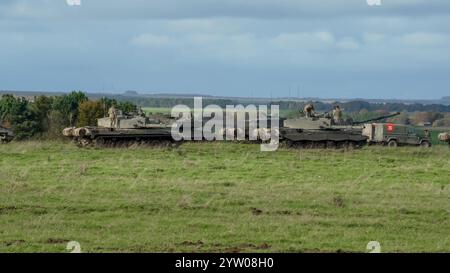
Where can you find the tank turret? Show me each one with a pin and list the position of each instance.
(128, 121)
(325, 121)
(308, 123)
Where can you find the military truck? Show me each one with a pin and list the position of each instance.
(394, 135)
(6, 135)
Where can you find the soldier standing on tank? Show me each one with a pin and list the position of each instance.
(337, 114)
(309, 110)
(112, 112)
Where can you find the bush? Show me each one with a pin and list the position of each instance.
(89, 112)
(444, 122)
(17, 114)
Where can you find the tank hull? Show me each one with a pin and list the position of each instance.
(112, 137)
(326, 138)
(289, 137)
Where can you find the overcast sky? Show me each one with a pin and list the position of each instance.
(311, 48)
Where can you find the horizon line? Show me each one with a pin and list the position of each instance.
(194, 94)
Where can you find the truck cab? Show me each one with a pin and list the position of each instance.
(394, 135)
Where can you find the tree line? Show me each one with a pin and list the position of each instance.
(46, 116)
(349, 106)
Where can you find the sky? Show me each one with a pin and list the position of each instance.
(249, 48)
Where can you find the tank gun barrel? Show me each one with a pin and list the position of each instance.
(375, 119)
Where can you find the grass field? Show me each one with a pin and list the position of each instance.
(223, 197)
(156, 110)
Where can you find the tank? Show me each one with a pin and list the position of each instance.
(320, 131)
(6, 135)
(126, 131)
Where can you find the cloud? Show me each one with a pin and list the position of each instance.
(302, 49)
(373, 38)
(183, 9)
(194, 25)
(348, 43)
(149, 39)
(423, 39)
(306, 40)
(227, 47)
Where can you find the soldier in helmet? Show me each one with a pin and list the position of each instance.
(337, 114)
(309, 110)
(112, 112)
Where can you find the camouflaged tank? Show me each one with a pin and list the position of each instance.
(320, 131)
(6, 135)
(127, 130)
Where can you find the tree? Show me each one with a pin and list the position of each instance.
(16, 112)
(127, 107)
(41, 107)
(89, 112)
(403, 118)
(425, 117)
(57, 123)
(364, 115)
(443, 122)
(12, 109)
(67, 105)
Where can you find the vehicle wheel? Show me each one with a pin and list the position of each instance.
(100, 142)
(425, 144)
(352, 145)
(392, 143)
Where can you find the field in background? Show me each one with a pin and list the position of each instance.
(223, 197)
(156, 110)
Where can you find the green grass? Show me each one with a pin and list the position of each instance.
(223, 197)
(156, 110)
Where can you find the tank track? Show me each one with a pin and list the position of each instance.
(5, 139)
(347, 145)
(102, 142)
(167, 143)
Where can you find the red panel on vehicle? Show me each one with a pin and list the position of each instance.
(390, 127)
